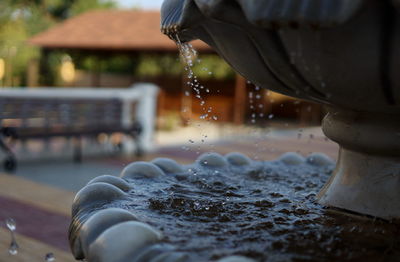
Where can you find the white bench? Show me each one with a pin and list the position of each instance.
(42, 113)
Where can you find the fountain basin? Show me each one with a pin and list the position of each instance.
(343, 54)
(238, 210)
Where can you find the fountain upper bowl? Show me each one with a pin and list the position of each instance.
(343, 53)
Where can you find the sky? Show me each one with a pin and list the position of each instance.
(145, 4)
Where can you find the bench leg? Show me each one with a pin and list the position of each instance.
(10, 162)
(139, 152)
(78, 150)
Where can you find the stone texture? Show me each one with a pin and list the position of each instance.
(168, 165)
(141, 169)
(122, 242)
(292, 158)
(237, 159)
(113, 180)
(100, 222)
(212, 160)
(95, 193)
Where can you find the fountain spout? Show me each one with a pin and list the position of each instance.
(179, 26)
(342, 53)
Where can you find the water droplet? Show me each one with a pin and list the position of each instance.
(49, 257)
(203, 116)
(13, 249)
(11, 225)
(191, 141)
(196, 205)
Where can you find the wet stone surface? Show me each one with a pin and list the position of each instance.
(265, 210)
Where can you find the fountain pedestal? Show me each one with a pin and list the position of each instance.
(364, 183)
(367, 177)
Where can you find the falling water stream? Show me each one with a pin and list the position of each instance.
(193, 86)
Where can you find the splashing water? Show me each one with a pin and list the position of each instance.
(13, 249)
(12, 226)
(49, 257)
(189, 58)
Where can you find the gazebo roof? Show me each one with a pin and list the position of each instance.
(114, 30)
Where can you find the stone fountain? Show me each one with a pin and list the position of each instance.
(341, 53)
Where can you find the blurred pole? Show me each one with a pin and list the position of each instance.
(239, 100)
(96, 72)
(12, 51)
(33, 73)
(44, 71)
(2, 71)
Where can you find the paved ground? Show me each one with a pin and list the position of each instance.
(258, 144)
(40, 194)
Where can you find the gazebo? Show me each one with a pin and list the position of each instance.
(105, 33)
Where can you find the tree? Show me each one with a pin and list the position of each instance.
(21, 19)
(81, 6)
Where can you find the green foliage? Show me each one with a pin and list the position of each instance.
(155, 65)
(81, 6)
(14, 50)
(213, 67)
(209, 67)
(21, 19)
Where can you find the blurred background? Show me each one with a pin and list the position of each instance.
(87, 86)
(54, 43)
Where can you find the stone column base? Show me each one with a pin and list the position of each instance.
(364, 183)
(367, 176)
